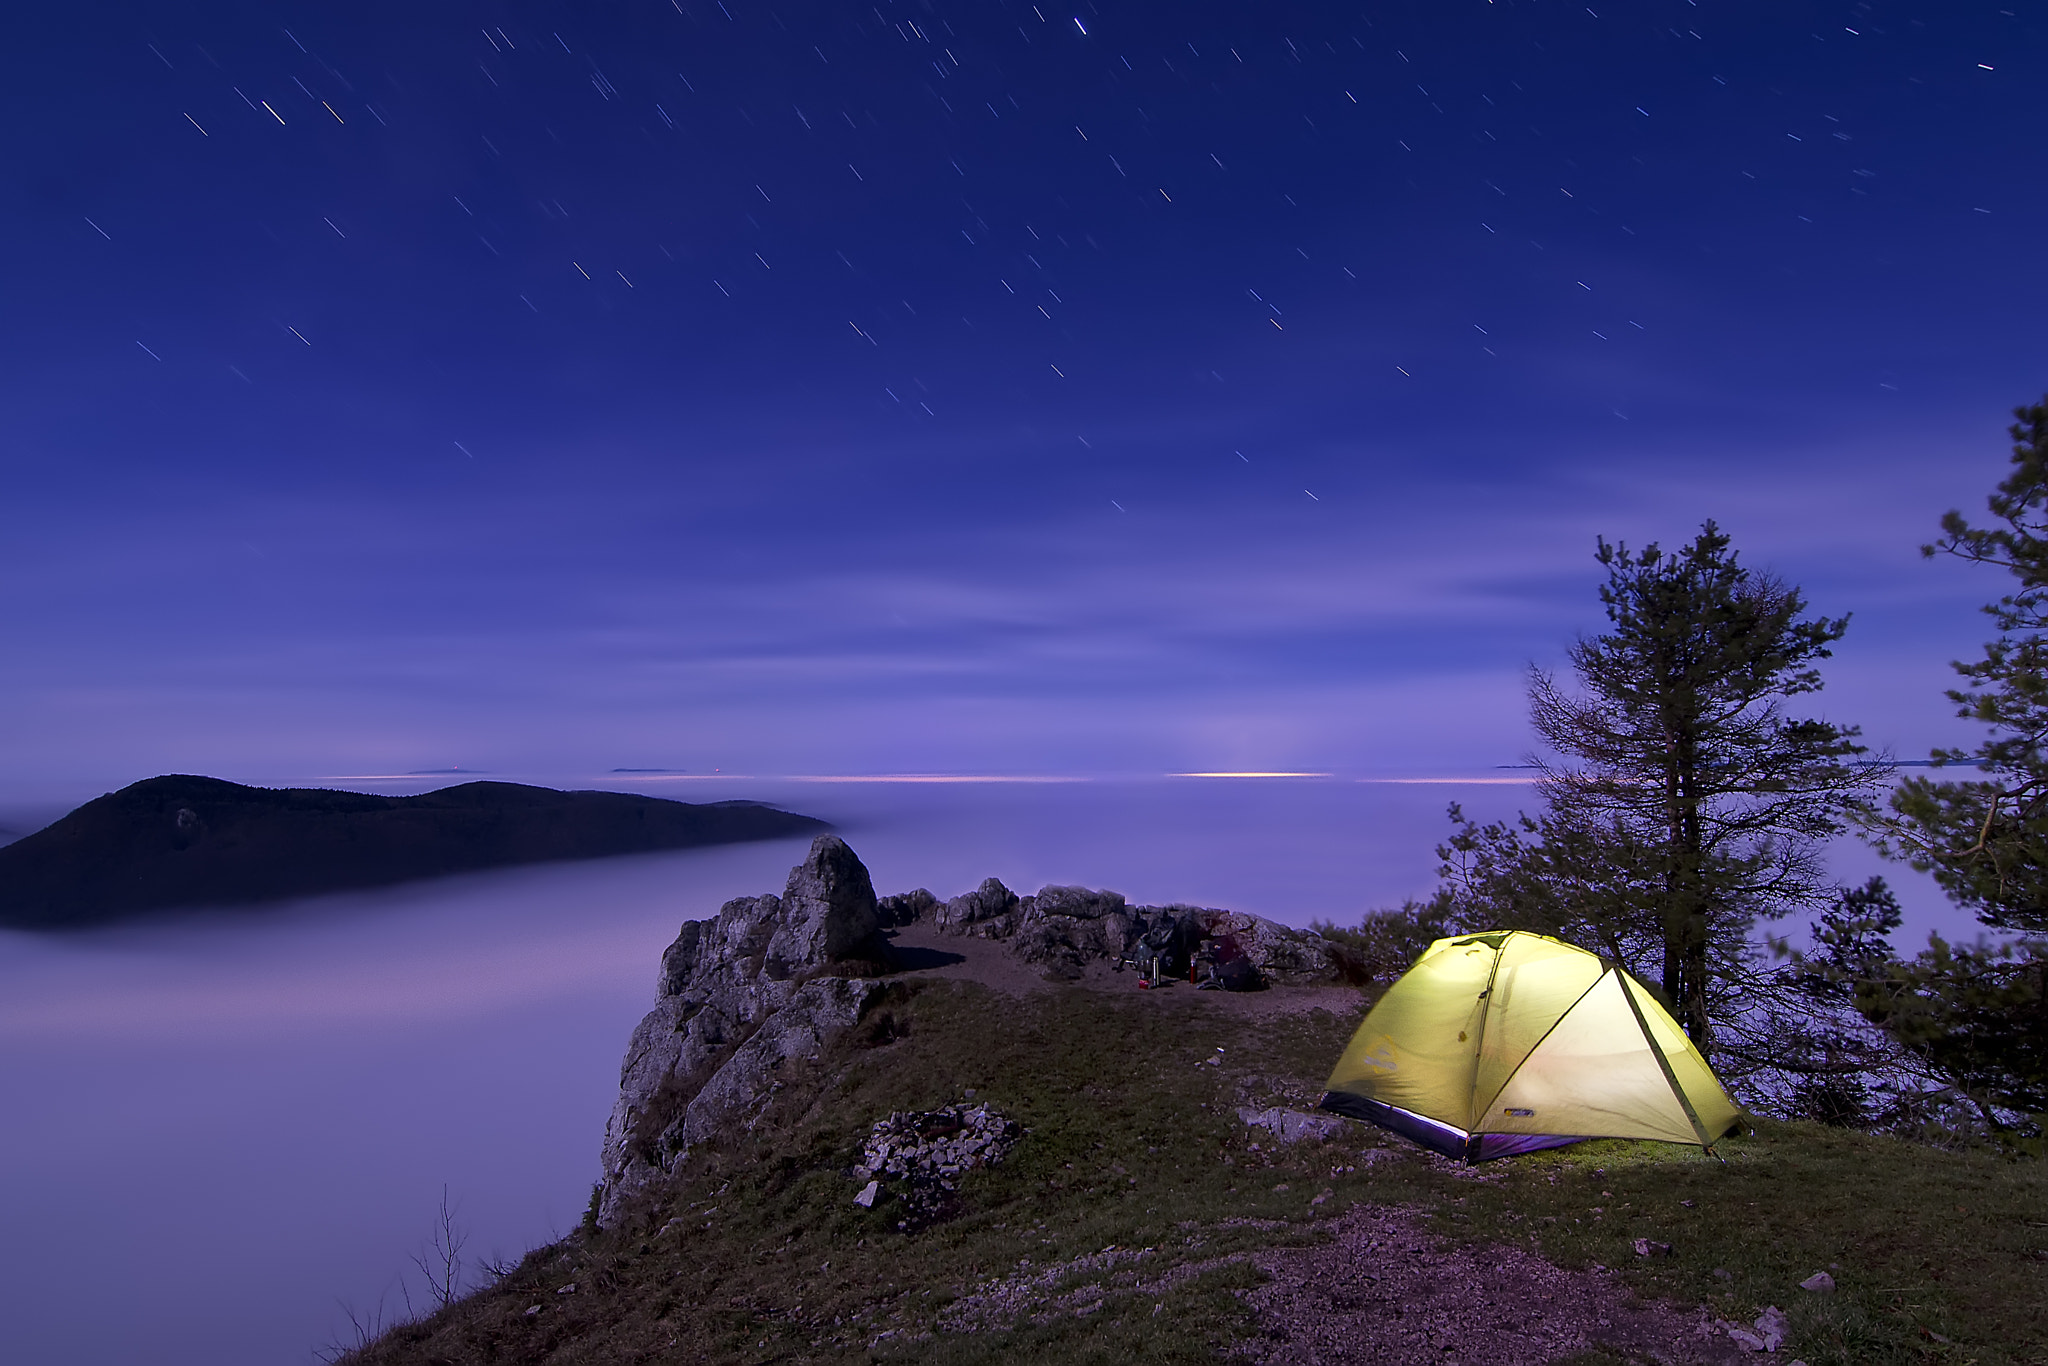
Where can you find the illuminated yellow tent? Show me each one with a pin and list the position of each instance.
(1505, 1042)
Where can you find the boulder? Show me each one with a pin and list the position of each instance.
(1077, 902)
(986, 911)
(1281, 955)
(828, 909)
(906, 908)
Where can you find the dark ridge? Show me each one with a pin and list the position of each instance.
(184, 841)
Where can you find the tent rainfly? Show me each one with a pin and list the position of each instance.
(1506, 1042)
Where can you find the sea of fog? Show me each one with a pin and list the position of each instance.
(222, 1135)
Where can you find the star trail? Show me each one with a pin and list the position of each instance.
(944, 383)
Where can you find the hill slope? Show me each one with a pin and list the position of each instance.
(182, 841)
(1145, 1210)
(1136, 1185)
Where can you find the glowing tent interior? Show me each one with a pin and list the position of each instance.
(1506, 1042)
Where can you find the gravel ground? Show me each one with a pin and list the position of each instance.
(1384, 1290)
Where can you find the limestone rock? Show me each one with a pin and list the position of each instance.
(1287, 957)
(828, 909)
(985, 911)
(723, 984)
(906, 908)
(819, 1011)
(1291, 1126)
(1765, 1335)
(764, 982)
(1063, 929)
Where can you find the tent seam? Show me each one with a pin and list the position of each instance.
(1516, 1070)
(1663, 1063)
(1479, 1043)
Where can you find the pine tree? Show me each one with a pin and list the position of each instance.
(1683, 804)
(1986, 840)
(1977, 1015)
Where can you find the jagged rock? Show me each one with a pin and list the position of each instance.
(1077, 902)
(828, 908)
(905, 908)
(1819, 1281)
(985, 911)
(1063, 929)
(1282, 955)
(866, 1198)
(819, 1011)
(722, 983)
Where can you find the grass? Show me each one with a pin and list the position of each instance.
(1136, 1184)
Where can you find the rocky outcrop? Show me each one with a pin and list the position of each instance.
(773, 979)
(821, 1010)
(986, 911)
(739, 995)
(906, 908)
(1063, 929)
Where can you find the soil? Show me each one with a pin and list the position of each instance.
(1383, 1289)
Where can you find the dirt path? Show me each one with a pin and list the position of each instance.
(1385, 1290)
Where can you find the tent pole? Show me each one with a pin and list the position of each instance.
(1663, 1063)
(1478, 1044)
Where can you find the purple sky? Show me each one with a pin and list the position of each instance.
(984, 387)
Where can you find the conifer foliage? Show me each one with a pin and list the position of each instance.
(1682, 803)
(1986, 840)
(1976, 1016)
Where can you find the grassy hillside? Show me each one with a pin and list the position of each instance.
(1137, 1183)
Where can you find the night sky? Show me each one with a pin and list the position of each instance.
(984, 387)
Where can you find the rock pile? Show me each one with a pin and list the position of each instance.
(1063, 929)
(1765, 1335)
(918, 1157)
